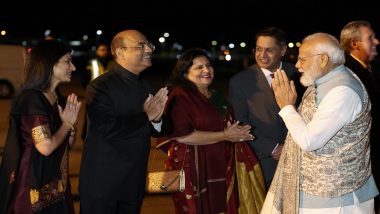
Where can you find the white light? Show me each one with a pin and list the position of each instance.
(228, 57)
(85, 37)
(75, 43)
(214, 43)
(243, 44)
(166, 34)
(95, 68)
(99, 32)
(291, 45)
(47, 33)
(161, 39)
(231, 45)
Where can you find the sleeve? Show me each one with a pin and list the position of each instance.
(332, 114)
(35, 127)
(100, 109)
(236, 99)
(180, 114)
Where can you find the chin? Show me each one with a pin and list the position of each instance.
(306, 81)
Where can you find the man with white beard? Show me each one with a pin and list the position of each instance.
(325, 163)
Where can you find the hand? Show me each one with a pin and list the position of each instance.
(284, 91)
(70, 113)
(154, 105)
(238, 133)
(276, 153)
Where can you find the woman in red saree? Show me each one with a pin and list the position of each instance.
(201, 140)
(34, 168)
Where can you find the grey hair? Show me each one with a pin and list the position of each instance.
(351, 32)
(329, 45)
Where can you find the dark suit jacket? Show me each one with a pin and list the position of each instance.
(371, 82)
(254, 103)
(116, 149)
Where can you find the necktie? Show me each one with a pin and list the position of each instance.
(272, 75)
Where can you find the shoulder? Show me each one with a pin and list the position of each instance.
(249, 72)
(30, 101)
(178, 91)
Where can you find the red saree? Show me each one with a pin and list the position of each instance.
(211, 184)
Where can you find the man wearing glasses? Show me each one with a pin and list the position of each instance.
(251, 95)
(122, 114)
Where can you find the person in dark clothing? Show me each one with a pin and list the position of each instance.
(359, 43)
(121, 113)
(34, 169)
(252, 98)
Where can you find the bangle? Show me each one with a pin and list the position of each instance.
(69, 125)
(72, 133)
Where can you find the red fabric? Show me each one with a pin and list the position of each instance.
(191, 111)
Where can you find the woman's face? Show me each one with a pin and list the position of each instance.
(62, 69)
(201, 73)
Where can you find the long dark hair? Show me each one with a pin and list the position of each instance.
(181, 69)
(40, 63)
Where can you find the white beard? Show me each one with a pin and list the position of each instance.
(308, 78)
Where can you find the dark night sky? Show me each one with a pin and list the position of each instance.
(193, 22)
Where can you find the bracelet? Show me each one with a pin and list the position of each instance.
(72, 133)
(69, 125)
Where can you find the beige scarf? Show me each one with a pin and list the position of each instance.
(285, 184)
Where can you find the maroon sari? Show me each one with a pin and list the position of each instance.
(209, 169)
(30, 181)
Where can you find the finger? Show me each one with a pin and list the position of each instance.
(284, 76)
(150, 96)
(293, 87)
(60, 110)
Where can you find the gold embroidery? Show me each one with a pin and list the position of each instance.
(34, 196)
(40, 133)
(60, 186)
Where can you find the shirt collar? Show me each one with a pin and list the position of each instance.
(361, 62)
(268, 72)
(329, 75)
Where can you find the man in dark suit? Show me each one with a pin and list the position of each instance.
(359, 43)
(121, 113)
(253, 101)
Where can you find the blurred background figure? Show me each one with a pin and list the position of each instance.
(97, 65)
(359, 43)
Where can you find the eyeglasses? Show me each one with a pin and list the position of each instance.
(143, 46)
(267, 50)
(302, 60)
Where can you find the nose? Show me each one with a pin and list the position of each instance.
(73, 68)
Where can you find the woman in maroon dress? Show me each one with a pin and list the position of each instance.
(34, 169)
(201, 139)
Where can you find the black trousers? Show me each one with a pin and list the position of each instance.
(90, 205)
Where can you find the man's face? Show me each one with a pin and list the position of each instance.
(367, 44)
(137, 53)
(268, 53)
(309, 64)
(102, 51)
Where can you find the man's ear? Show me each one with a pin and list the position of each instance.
(283, 50)
(354, 44)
